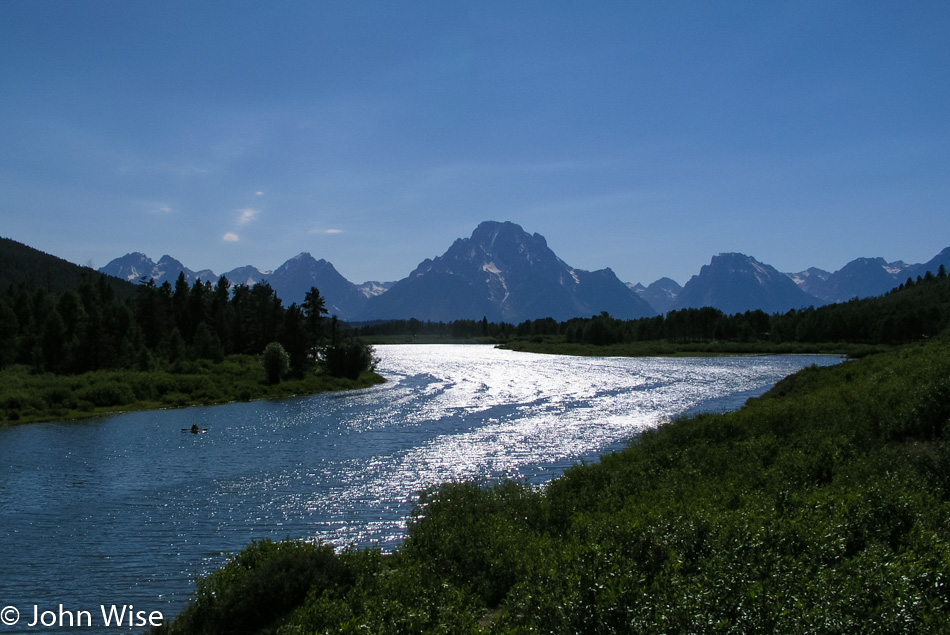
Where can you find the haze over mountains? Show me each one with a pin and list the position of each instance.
(506, 274)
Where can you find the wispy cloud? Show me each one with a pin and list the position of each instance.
(320, 230)
(231, 237)
(161, 209)
(247, 215)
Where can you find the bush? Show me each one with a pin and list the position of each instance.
(107, 394)
(276, 362)
(260, 586)
(348, 358)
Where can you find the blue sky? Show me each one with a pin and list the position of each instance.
(641, 136)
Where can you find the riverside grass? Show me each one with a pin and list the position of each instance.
(27, 397)
(821, 507)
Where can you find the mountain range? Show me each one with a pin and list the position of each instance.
(504, 273)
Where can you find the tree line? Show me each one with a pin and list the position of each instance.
(916, 309)
(169, 326)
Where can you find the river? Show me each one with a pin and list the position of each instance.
(126, 510)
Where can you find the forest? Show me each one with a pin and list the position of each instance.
(90, 329)
(76, 343)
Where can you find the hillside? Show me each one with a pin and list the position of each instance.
(23, 265)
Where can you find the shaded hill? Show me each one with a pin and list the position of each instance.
(23, 265)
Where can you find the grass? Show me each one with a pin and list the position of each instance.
(821, 507)
(555, 345)
(26, 397)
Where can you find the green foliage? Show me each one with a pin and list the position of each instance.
(27, 396)
(276, 362)
(914, 311)
(260, 585)
(347, 358)
(479, 538)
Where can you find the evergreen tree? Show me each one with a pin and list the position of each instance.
(296, 339)
(314, 308)
(207, 345)
(9, 330)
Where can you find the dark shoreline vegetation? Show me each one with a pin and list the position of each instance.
(105, 348)
(30, 398)
(914, 310)
(821, 507)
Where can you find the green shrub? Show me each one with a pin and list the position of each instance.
(107, 394)
(348, 359)
(260, 586)
(276, 362)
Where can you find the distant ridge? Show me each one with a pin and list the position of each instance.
(290, 281)
(506, 274)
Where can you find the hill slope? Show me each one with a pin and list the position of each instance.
(20, 264)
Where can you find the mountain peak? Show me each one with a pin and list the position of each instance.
(505, 274)
(735, 283)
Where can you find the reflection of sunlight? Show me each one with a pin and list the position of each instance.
(482, 413)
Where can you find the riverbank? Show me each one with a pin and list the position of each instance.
(663, 348)
(822, 506)
(27, 397)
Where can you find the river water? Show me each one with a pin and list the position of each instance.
(126, 510)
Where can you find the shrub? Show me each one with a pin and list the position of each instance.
(260, 586)
(276, 362)
(107, 394)
(348, 358)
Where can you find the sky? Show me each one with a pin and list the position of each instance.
(641, 136)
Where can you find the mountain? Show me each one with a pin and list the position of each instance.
(735, 283)
(660, 294)
(860, 278)
(811, 280)
(246, 275)
(505, 274)
(290, 281)
(933, 265)
(133, 267)
(293, 279)
(373, 288)
(864, 277)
